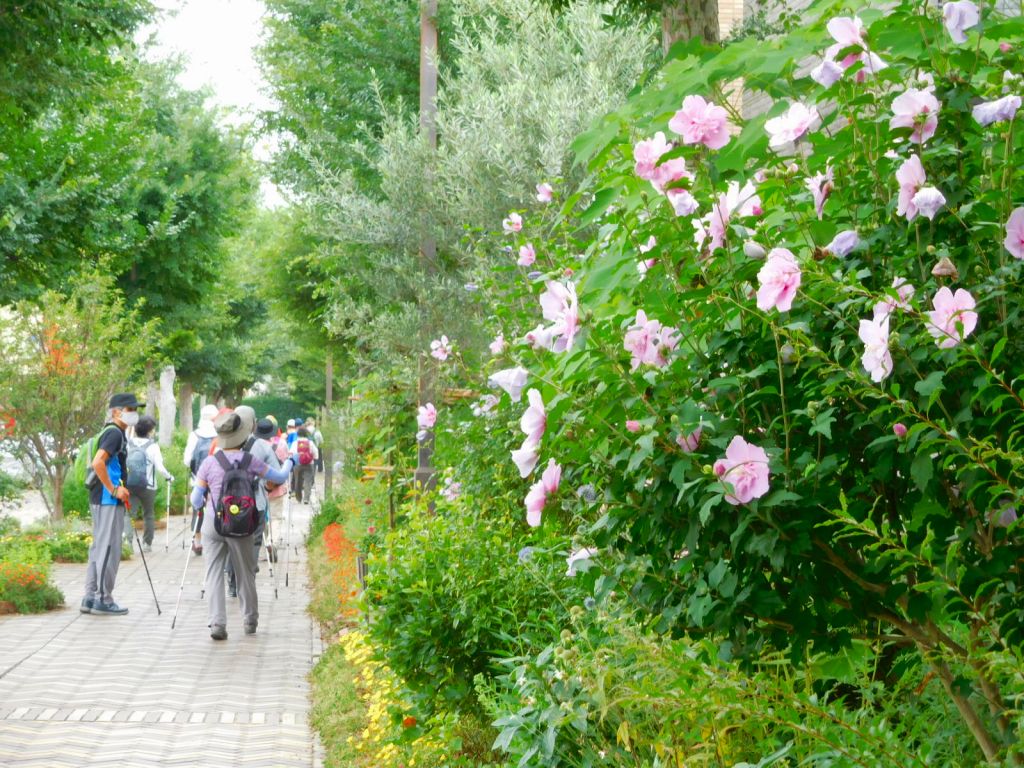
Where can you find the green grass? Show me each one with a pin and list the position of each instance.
(337, 711)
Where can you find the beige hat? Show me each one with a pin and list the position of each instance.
(233, 428)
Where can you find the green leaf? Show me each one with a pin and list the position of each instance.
(602, 199)
(922, 469)
(823, 423)
(930, 384)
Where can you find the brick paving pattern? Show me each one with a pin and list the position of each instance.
(82, 690)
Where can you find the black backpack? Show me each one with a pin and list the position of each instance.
(199, 454)
(235, 515)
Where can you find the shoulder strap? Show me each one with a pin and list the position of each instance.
(246, 460)
(222, 460)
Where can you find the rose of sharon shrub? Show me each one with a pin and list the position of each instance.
(854, 263)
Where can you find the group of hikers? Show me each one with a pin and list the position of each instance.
(241, 470)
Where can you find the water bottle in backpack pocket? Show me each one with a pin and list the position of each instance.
(235, 514)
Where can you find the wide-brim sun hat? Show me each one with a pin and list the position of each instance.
(208, 412)
(233, 429)
(265, 429)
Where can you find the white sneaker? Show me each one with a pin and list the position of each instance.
(147, 547)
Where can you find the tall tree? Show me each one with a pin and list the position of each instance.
(680, 19)
(330, 65)
(63, 358)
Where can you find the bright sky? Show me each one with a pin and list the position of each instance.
(217, 38)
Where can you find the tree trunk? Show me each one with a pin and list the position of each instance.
(328, 407)
(152, 393)
(57, 513)
(166, 406)
(185, 395)
(688, 19)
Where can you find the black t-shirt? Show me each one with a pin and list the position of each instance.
(114, 443)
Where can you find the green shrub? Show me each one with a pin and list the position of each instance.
(10, 487)
(25, 572)
(612, 693)
(27, 588)
(9, 525)
(451, 596)
(69, 546)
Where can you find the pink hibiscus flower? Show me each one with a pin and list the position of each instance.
(514, 223)
(791, 125)
(499, 345)
(426, 416)
(779, 278)
(526, 255)
(911, 178)
(647, 153)
(953, 318)
(440, 348)
(959, 17)
(544, 193)
(820, 186)
(917, 110)
(877, 360)
(512, 380)
(1014, 241)
(904, 293)
(744, 471)
(998, 111)
(540, 491)
(701, 122)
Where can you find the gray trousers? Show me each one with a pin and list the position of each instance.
(305, 475)
(105, 552)
(142, 500)
(216, 550)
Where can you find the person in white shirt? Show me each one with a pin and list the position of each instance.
(197, 448)
(145, 462)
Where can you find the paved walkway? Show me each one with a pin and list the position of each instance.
(81, 690)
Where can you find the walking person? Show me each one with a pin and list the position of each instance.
(144, 462)
(233, 429)
(257, 444)
(304, 454)
(198, 446)
(107, 497)
(318, 438)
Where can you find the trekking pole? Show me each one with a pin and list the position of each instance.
(271, 551)
(184, 573)
(144, 563)
(288, 539)
(167, 521)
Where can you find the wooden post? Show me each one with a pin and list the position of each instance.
(328, 450)
(428, 247)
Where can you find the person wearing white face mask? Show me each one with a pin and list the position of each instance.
(107, 497)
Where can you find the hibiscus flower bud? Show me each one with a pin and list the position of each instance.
(945, 268)
(900, 430)
(1005, 47)
(753, 250)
